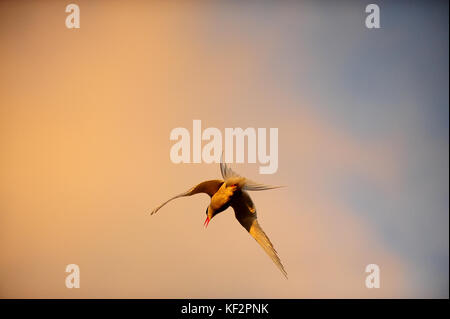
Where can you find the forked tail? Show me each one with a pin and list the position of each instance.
(249, 185)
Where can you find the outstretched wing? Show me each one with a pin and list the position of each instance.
(208, 187)
(249, 185)
(245, 213)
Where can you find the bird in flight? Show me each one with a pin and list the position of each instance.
(232, 191)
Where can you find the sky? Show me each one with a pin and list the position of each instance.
(85, 120)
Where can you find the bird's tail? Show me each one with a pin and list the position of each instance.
(254, 186)
(249, 185)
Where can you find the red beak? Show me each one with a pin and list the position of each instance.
(206, 222)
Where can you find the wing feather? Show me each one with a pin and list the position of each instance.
(208, 187)
(226, 170)
(245, 213)
(260, 236)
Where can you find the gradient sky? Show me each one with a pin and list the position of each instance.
(85, 118)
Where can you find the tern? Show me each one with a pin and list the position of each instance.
(232, 192)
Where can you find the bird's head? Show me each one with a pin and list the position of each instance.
(209, 215)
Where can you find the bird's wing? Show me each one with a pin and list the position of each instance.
(226, 170)
(245, 213)
(249, 185)
(208, 187)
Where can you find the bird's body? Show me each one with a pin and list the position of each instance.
(221, 199)
(232, 191)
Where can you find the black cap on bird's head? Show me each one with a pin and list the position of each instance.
(207, 218)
